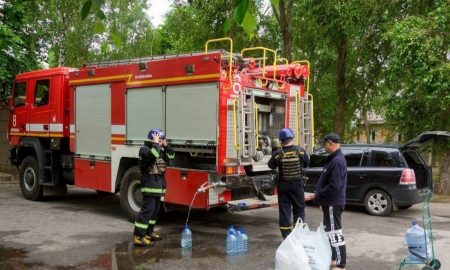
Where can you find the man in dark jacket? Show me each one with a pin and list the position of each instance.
(153, 158)
(290, 161)
(330, 195)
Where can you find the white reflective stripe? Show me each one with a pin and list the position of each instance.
(40, 127)
(56, 127)
(72, 128)
(338, 244)
(330, 212)
(118, 129)
(15, 130)
(36, 127)
(335, 232)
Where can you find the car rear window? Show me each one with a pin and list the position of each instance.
(385, 158)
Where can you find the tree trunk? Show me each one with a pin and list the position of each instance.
(284, 18)
(339, 125)
(443, 187)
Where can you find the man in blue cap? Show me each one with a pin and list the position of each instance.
(153, 158)
(290, 161)
(330, 195)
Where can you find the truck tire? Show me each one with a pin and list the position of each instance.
(378, 203)
(130, 193)
(29, 179)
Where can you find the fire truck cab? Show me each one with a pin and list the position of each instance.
(221, 112)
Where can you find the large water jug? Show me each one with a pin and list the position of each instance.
(415, 239)
(186, 237)
(231, 241)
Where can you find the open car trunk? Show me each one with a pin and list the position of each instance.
(411, 151)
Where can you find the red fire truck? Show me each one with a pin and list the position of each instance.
(221, 112)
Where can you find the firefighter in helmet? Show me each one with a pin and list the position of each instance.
(290, 161)
(153, 158)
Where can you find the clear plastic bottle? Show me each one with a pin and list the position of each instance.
(186, 237)
(244, 242)
(239, 247)
(231, 241)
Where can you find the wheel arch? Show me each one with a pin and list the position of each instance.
(124, 164)
(32, 147)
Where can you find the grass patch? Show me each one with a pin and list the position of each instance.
(440, 198)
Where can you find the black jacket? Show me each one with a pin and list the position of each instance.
(330, 189)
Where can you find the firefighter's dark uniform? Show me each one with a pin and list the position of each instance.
(152, 162)
(290, 162)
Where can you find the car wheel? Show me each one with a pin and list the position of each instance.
(130, 193)
(378, 203)
(29, 179)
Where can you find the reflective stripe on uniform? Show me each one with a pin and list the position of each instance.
(152, 190)
(170, 156)
(140, 225)
(285, 228)
(152, 222)
(155, 153)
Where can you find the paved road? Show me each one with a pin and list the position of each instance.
(87, 231)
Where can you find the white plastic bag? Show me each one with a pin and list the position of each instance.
(290, 254)
(317, 246)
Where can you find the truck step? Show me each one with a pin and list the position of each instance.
(254, 203)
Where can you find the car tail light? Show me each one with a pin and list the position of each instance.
(408, 177)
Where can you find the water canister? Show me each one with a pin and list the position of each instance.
(415, 239)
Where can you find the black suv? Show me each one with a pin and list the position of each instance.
(382, 177)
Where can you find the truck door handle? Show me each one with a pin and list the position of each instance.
(45, 127)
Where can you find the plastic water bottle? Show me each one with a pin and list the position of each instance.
(239, 249)
(186, 237)
(231, 241)
(415, 239)
(244, 242)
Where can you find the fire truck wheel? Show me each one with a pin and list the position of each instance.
(29, 180)
(130, 193)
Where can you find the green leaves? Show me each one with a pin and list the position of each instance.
(116, 39)
(275, 2)
(240, 11)
(417, 65)
(249, 24)
(86, 9)
(244, 17)
(99, 28)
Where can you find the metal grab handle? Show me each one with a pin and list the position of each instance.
(311, 98)
(296, 115)
(231, 54)
(264, 58)
(236, 144)
(256, 124)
